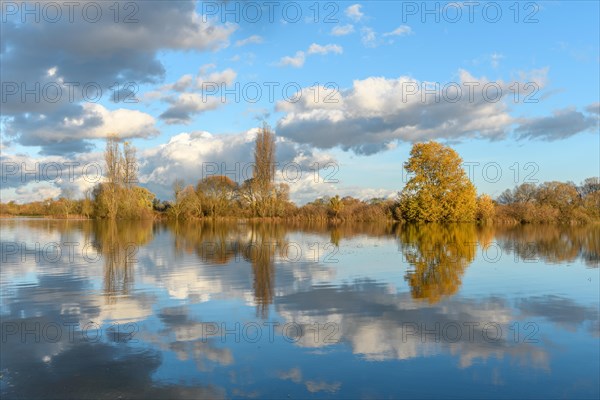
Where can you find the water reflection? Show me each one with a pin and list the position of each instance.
(552, 244)
(393, 298)
(223, 243)
(439, 255)
(118, 244)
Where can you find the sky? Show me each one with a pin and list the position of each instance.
(347, 87)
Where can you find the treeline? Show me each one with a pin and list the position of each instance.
(562, 202)
(439, 190)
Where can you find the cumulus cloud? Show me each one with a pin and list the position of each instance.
(185, 155)
(190, 156)
(342, 30)
(372, 39)
(187, 103)
(102, 53)
(353, 12)
(376, 112)
(254, 39)
(402, 30)
(309, 173)
(296, 61)
(186, 106)
(181, 85)
(560, 125)
(328, 48)
(299, 58)
(189, 82)
(226, 77)
(26, 178)
(593, 108)
(368, 37)
(71, 131)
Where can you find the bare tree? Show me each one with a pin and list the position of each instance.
(67, 201)
(264, 169)
(114, 173)
(177, 205)
(129, 165)
(87, 206)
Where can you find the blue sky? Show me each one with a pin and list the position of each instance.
(367, 55)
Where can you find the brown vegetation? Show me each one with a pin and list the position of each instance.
(438, 191)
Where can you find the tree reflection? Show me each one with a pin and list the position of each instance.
(214, 243)
(551, 243)
(219, 243)
(265, 240)
(118, 244)
(439, 255)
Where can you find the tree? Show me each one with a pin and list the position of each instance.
(336, 205)
(177, 205)
(129, 165)
(282, 199)
(67, 201)
(216, 192)
(143, 199)
(87, 208)
(589, 186)
(264, 157)
(264, 171)
(118, 196)
(114, 173)
(485, 208)
(439, 190)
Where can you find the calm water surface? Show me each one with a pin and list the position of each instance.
(192, 310)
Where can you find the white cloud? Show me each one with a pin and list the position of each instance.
(342, 30)
(353, 12)
(79, 172)
(181, 85)
(186, 105)
(328, 48)
(495, 57)
(254, 39)
(298, 60)
(227, 77)
(368, 37)
(101, 53)
(402, 30)
(93, 122)
(122, 122)
(376, 112)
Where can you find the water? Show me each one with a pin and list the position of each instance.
(191, 310)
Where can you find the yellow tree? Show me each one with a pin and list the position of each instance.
(217, 192)
(439, 254)
(439, 190)
(336, 205)
(485, 208)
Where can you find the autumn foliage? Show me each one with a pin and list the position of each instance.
(438, 190)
